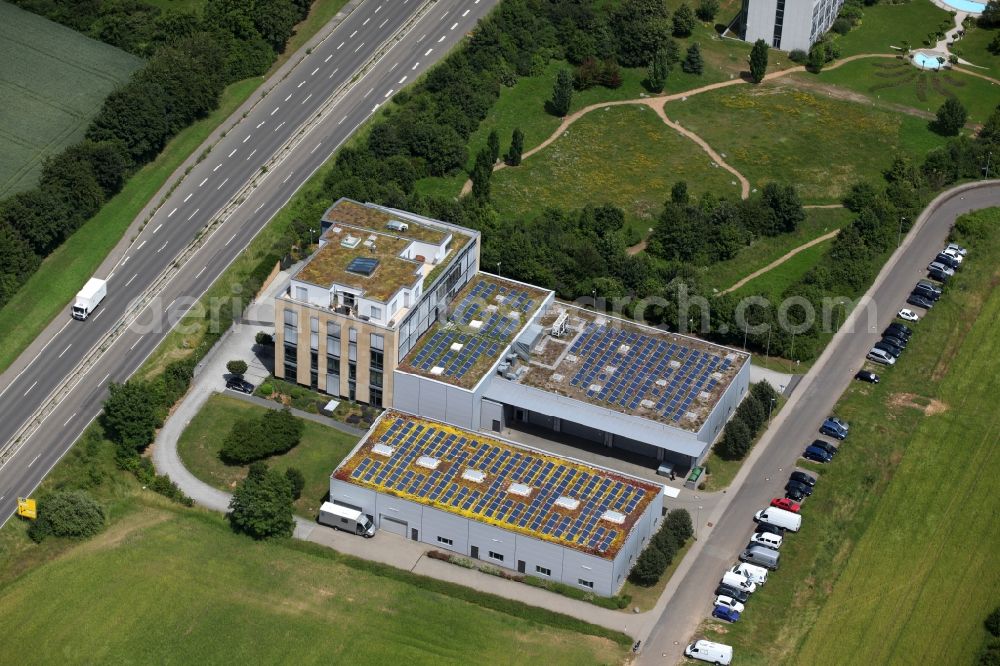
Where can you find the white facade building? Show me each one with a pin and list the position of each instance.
(787, 24)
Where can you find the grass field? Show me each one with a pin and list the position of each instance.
(972, 47)
(898, 560)
(622, 155)
(161, 585)
(886, 25)
(53, 81)
(320, 450)
(774, 282)
(773, 133)
(899, 82)
(63, 272)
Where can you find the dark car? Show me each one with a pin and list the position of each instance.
(940, 276)
(891, 350)
(894, 341)
(826, 446)
(733, 593)
(920, 301)
(898, 330)
(831, 429)
(770, 528)
(865, 376)
(806, 490)
(794, 494)
(949, 261)
(927, 289)
(816, 454)
(802, 477)
(238, 384)
(725, 613)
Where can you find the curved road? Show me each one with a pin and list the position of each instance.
(764, 474)
(379, 48)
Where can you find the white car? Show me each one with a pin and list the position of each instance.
(753, 573)
(908, 315)
(879, 356)
(954, 254)
(955, 247)
(729, 602)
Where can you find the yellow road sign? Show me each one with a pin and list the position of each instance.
(27, 508)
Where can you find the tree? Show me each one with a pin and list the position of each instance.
(665, 541)
(817, 58)
(493, 144)
(752, 412)
(649, 567)
(707, 9)
(679, 193)
(67, 513)
(641, 27)
(990, 18)
(764, 393)
(481, 173)
(683, 20)
(950, 117)
(297, 481)
(237, 367)
(261, 506)
(562, 93)
(679, 524)
(758, 61)
(736, 440)
(130, 415)
(994, 46)
(693, 63)
(658, 71)
(249, 440)
(513, 156)
(784, 202)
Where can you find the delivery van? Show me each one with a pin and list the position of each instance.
(761, 556)
(713, 653)
(738, 581)
(346, 519)
(775, 516)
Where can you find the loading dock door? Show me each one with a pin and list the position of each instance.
(393, 525)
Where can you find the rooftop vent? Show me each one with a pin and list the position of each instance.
(363, 266)
(613, 517)
(519, 489)
(476, 324)
(383, 450)
(350, 242)
(568, 503)
(457, 346)
(474, 475)
(396, 225)
(428, 462)
(437, 370)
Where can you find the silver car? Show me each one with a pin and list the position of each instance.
(880, 356)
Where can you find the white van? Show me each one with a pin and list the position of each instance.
(344, 518)
(767, 539)
(739, 582)
(751, 572)
(780, 518)
(715, 653)
(762, 556)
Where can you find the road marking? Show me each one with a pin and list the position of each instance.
(443, 16)
(289, 97)
(200, 272)
(375, 108)
(125, 260)
(230, 240)
(66, 422)
(382, 24)
(402, 79)
(377, 10)
(394, 67)
(140, 246)
(442, 39)
(415, 66)
(453, 26)
(130, 279)
(341, 44)
(279, 126)
(34, 459)
(275, 110)
(328, 58)
(359, 47)
(352, 34)
(428, 52)
(161, 249)
(366, 20)
(301, 83)
(258, 208)
(251, 154)
(316, 148)
(98, 315)
(389, 93)
(370, 91)
(234, 152)
(65, 350)
(421, 38)
(342, 120)
(194, 213)
(216, 168)
(287, 177)
(222, 183)
(171, 214)
(333, 72)
(202, 182)
(188, 197)
(466, 13)
(135, 344)
(247, 139)
(105, 378)
(260, 123)
(30, 387)
(307, 98)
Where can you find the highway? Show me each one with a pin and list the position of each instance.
(406, 37)
(797, 424)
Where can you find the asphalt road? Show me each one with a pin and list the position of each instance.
(798, 424)
(202, 194)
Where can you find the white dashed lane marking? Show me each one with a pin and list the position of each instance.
(171, 214)
(194, 213)
(188, 197)
(130, 279)
(222, 183)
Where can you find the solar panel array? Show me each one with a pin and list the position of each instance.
(363, 265)
(640, 361)
(497, 327)
(536, 514)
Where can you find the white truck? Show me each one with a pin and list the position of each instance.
(346, 519)
(89, 298)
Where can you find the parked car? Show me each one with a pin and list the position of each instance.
(939, 275)
(766, 539)
(786, 504)
(948, 260)
(751, 572)
(936, 288)
(923, 289)
(894, 341)
(714, 653)
(920, 301)
(879, 356)
(816, 454)
(738, 581)
(786, 519)
(826, 446)
(898, 330)
(865, 376)
(838, 422)
(725, 613)
(794, 493)
(891, 350)
(957, 256)
(908, 315)
(729, 602)
(734, 592)
(803, 477)
(806, 489)
(957, 248)
(770, 528)
(834, 427)
(941, 268)
(238, 384)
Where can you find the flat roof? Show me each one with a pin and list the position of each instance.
(620, 365)
(329, 265)
(375, 218)
(487, 313)
(493, 481)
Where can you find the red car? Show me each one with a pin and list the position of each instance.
(786, 504)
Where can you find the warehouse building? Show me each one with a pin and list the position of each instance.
(787, 25)
(492, 500)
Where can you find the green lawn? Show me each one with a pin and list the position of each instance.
(177, 587)
(778, 279)
(65, 270)
(53, 81)
(819, 221)
(320, 451)
(886, 25)
(897, 561)
(899, 82)
(773, 133)
(621, 155)
(972, 47)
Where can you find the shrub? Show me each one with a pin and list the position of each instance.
(275, 432)
(266, 389)
(992, 622)
(237, 367)
(798, 56)
(261, 506)
(679, 524)
(841, 26)
(707, 9)
(298, 481)
(72, 513)
(736, 440)
(649, 567)
(264, 338)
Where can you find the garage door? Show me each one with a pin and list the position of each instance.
(392, 525)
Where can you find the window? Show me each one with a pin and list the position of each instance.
(377, 342)
(375, 397)
(352, 344)
(291, 318)
(496, 556)
(447, 542)
(314, 333)
(301, 294)
(543, 571)
(352, 334)
(333, 329)
(376, 379)
(376, 312)
(352, 371)
(585, 583)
